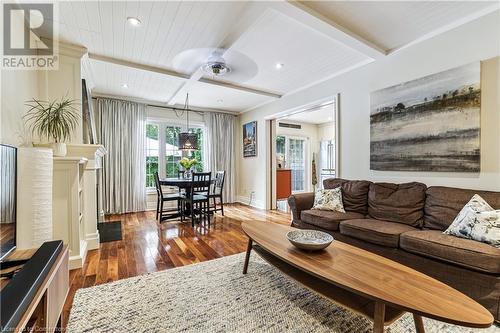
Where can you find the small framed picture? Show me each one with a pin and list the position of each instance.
(250, 139)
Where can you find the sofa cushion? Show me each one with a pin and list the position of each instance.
(442, 204)
(402, 203)
(463, 252)
(354, 193)
(325, 219)
(375, 231)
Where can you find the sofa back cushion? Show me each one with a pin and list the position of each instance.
(354, 193)
(402, 203)
(442, 204)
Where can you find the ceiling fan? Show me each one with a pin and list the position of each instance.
(216, 63)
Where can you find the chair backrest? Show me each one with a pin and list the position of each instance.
(219, 182)
(157, 184)
(202, 182)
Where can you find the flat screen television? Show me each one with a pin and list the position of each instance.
(8, 179)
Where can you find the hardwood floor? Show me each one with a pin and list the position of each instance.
(148, 247)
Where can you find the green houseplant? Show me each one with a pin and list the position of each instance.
(187, 164)
(55, 121)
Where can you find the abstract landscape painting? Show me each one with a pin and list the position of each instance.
(429, 124)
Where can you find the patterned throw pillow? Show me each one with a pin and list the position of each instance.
(477, 221)
(329, 200)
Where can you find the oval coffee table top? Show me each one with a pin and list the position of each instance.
(374, 277)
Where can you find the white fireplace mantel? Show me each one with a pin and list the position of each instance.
(93, 153)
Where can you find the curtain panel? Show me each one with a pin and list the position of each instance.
(121, 129)
(220, 149)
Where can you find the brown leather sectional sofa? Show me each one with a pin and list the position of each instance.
(405, 222)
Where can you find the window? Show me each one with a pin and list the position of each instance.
(151, 153)
(162, 152)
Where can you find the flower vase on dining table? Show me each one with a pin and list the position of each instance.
(188, 173)
(188, 164)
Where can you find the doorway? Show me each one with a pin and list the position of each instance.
(304, 151)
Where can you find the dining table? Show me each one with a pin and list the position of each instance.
(183, 183)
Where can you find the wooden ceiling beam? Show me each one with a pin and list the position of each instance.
(185, 77)
(326, 26)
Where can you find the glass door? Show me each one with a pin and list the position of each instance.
(297, 163)
(291, 153)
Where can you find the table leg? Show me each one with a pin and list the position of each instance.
(419, 323)
(378, 317)
(247, 256)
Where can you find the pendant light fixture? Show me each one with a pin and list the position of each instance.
(187, 141)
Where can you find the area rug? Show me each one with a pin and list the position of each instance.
(109, 231)
(214, 296)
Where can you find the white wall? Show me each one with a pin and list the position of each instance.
(326, 131)
(18, 86)
(476, 41)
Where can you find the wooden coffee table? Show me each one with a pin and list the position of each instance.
(368, 284)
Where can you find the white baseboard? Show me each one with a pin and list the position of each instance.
(246, 201)
(77, 261)
(92, 241)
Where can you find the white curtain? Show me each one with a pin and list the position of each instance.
(121, 129)
(220, 149)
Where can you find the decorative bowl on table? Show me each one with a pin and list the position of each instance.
(312, 240)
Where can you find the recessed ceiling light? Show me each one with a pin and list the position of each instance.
(134, 21)
(125, 85)
(279, 65)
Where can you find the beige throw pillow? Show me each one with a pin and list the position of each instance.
(477, 221)
(329, 200)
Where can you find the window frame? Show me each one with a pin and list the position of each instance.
(162, 125)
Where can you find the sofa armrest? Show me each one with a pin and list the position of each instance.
(298, 203)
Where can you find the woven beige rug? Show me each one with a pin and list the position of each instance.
(214, 296)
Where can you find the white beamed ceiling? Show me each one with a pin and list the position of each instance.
(310, 48)
(393, 24)
(306, 54)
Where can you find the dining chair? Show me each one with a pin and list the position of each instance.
(162, 197)
(199, 203)
(218, 187)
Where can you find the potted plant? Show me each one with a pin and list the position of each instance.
(54, 120)
(187, 164)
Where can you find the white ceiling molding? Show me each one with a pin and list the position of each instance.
(322, 24)
(158, 104)
(450, 26)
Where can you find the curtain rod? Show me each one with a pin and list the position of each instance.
(169, 107)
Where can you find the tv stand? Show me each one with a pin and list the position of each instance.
(33, 299)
